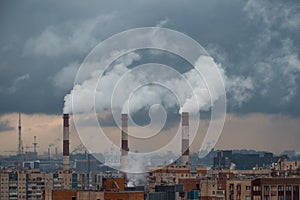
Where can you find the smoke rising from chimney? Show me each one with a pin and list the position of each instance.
(106, 82)
(193, 99)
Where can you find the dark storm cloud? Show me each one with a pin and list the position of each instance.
(43, 44)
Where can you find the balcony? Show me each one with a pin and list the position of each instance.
(13, 185)
(220, 193)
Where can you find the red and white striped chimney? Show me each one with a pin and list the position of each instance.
(66, 152)
(124, 142)
(185, 150)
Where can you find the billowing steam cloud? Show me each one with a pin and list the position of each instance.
(123, 81)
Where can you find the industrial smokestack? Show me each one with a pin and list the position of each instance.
(34, 144)
(56, 154)
(185, 138)
(49, 157)
(66, 154)
(124, 142)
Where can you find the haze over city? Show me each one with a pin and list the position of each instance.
(255, 43)
(150, 100)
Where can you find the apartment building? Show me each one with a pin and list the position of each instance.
(238, 189)
(29, 184)
(276, 188)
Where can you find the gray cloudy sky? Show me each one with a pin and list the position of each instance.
(257, 42)
(42, 45)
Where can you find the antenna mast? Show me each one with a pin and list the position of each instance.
(20, 136)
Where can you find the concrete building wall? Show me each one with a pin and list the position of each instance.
(63, 194)
(276, 188)
(288, 165)
(124, 195)
(190, 184)
(208, 189)
(238, 189)
(23, 187)
(3, 186)
(90, 195)
(73, 195)
(30, 184)
(93, 195)
(13, 184)
(116, 184)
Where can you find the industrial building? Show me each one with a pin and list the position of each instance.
(178, 181)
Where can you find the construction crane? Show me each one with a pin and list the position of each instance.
(34, 146)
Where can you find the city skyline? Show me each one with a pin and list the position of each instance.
(51, 136)
(255, 44)
(150, 100)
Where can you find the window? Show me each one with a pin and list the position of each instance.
(266, 188)
(281, 198)
(248, 188)
(288, 188)
(256, 188)
(73, 198)
(248, 197)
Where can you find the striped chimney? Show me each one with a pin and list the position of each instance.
(124, 142)
(66, 153)
(185, 151)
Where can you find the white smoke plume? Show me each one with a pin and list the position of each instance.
(193, 99)
(136, 179)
